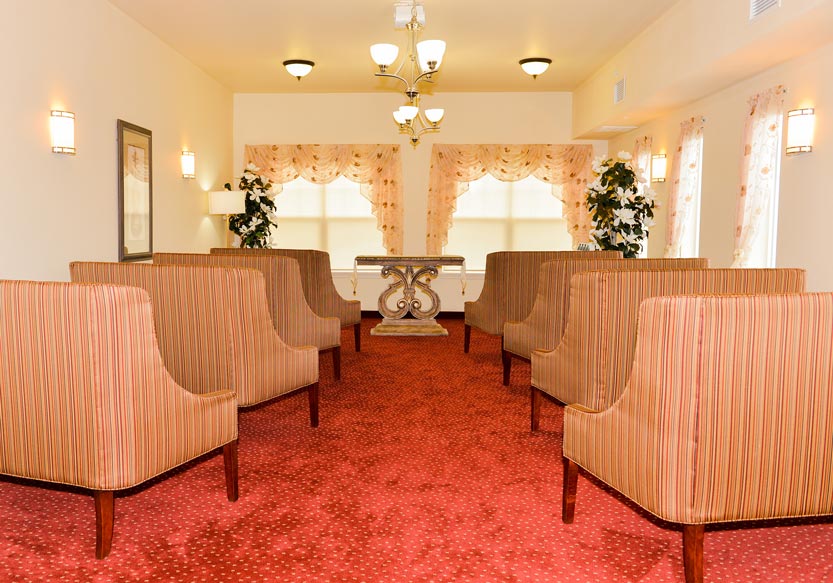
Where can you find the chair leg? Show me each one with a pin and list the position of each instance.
(507, 366)
(357, 335)
(693, 552)
(568, 498)
(337, 362)
(230, 463)
(466, 338)
(103, 522)
(535, 399)
(312, 393)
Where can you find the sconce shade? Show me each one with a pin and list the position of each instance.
(409, 112)
(659, 166)
(800, 129)
(298, 67)
(226, 202)
(535, 65)
(434, 115)
(188, 162)
(384, 54)
(430, 54)
(399, 117)
(62, 129)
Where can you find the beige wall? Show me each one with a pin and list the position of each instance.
(87, 57)
(806, 202)
(509, 118)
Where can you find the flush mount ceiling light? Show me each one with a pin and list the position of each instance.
(535, 65)
(422, 61)
(298, 67)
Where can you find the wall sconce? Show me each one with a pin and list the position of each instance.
(226, 202)
(659, 166)
(800, 128)
(62, 128)
(188, 163)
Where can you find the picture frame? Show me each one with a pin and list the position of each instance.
(135, 187)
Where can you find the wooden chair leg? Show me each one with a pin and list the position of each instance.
(568, 498)
(312, 393)
(357, 336)
(507, 366)
(466, 338)
(337, 362)
(103, 522)
(693, 552)
(230, 463)
(535, 399)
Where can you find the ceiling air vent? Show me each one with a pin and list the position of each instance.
(619, 91)
(758, 7)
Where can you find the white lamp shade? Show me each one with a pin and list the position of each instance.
(409, 112)
(384, 54)
(399, 117)
(535, 67)
(188, 163)
(226, 202)
(434, 115)
(659, 166)
(800, 130)
(298, 68)
(62, 130)
(430, 51)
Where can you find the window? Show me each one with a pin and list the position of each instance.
(506, 216)
(333, 217)
(690, 242)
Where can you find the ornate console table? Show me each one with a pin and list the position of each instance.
(412, 275)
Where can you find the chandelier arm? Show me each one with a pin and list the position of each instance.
(425, 77)
(393, 76)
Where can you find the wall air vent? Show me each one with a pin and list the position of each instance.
(758, 7)
(619, 91)
(614, 129)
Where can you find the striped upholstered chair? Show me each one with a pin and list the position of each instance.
(510, 285)
(727, 415)
(590, 365)
(296, 323)
(543, 328)
(214, 330)
(319, 289)
(86, 401)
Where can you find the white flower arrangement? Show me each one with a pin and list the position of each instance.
(254, 227)
(621, 213)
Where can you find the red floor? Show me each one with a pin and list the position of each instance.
(423, 470)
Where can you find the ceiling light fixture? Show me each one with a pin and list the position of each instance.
(535, 65)
(423, 60)
(298, 67)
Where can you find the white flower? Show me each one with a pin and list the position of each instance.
(624, 156)
(265, 208)
(249, 176)
(624, 215)
(600, 165)
(640, 176)
(598, 233)
(648, 222)
(250, 167)
(623, 195)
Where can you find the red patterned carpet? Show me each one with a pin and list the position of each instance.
(423, 470)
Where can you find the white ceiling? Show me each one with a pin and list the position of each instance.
(242, 43)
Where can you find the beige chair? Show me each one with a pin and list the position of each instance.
(589, 367)
(295, 322)
(509, 287)
(319, 290)
(727, 416)
(86, 401)
(543, 328)
(215, 332)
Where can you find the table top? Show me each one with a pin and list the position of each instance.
(410, 260)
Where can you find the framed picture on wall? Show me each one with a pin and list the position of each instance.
(135, 172)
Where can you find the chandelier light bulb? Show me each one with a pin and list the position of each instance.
(298, 67)
(409, 112)
(535, 66)
(434, 115)
(430, 53)
(384, 54)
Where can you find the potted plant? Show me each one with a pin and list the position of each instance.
(254, 227)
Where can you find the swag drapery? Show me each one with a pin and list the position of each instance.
(758, 169)
(566, 167)
(377, 168)
(685, 180)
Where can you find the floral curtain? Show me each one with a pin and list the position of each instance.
(377, 168)
(566, 167)
(758, 169)
(642, 158)
(685, 183)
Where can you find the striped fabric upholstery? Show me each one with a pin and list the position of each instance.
(544, 326)
(214, 328)
(510, 285)
(296, 323)
(84, 396)
(317, 279)
(591, 363)
(728, 412)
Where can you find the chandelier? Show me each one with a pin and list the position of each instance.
(422, 61)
